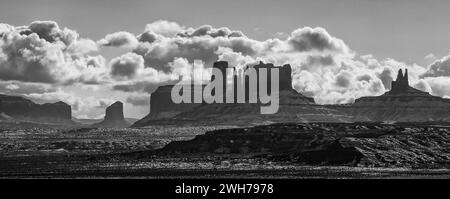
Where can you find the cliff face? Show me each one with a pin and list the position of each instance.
(114, 112)
(22, 108)
(162, 106)
(113, 117)
(293, 107)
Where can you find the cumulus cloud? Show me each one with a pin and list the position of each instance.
(119, 39)
(104, 103)
(127, 65)
(42, 52)
(165, 28)
(343, 79)
(139, 100)
(317, 39)
(324, 66)
(438, 85)
(440, 67)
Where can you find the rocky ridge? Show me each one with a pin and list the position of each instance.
(359, 144)
(21, 108)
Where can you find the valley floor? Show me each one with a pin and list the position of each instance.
(387, 152)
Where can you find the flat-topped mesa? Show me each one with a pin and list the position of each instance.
(20, 107)
(57, 110)
(161, 101)
(285, 72)
(115, 112)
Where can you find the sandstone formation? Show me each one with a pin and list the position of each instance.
(24, 109)
(114, 117)
(401, 104)
(294, 107)
(114, 111)
(162, 106)
(356, 144)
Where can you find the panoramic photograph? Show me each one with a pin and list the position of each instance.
(150, 89)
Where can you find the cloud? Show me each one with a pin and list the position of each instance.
(119, 39)
(165, 28)
(440, 67)
(104, 103)
(317, 39)
(17, 87)
(137, 86)
(139, 100)
(127, 65)
(343, 79)
(44, 53)
(386, 76)
(423, 86)
(438, 85)
(430, 57)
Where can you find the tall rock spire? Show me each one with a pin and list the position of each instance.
(401, 84)
(405, 77)
(399, 75)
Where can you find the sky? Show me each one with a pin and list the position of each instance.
(340, 50)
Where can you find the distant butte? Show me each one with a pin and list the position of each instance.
(402, 103)
(401, 86)
(294, 107)
(114, 117)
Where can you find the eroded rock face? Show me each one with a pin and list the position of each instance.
(294, 107)
(19, 107)
(114, 112)
(357, 144)
(113, 117)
